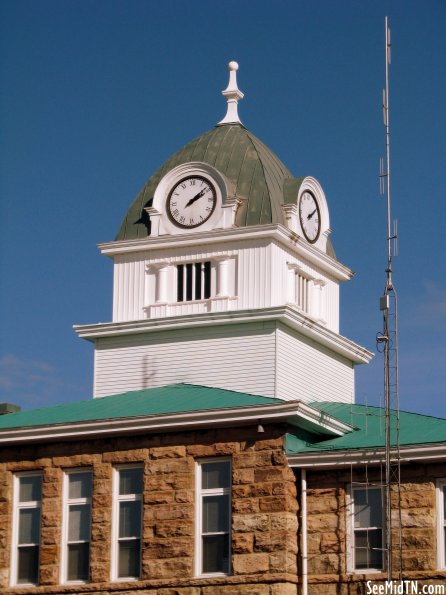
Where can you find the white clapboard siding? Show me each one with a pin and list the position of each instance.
(311, 372)
(236, 357)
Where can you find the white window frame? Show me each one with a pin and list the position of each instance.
(117, 499)
(66, 503)
(350, 534)
(17, 506)
(200, 493)
(441, 524)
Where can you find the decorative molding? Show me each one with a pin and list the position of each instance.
(275, 232)
(288, 315)
(327, 459)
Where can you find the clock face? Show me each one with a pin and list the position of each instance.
(310, 218)
(191, 201)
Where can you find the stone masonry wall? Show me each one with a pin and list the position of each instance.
(327, 523)
(264, 512)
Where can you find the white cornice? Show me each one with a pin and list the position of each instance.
(292, 412)
(286, 315)
(326, 459)
(276, 232)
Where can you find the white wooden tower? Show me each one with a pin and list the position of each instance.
(224, 276)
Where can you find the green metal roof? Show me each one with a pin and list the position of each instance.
(257, 173)
(369, 430)
(175, 398)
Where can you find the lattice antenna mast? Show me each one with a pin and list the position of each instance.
(388, 342)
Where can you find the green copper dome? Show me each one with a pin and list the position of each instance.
(259, 177)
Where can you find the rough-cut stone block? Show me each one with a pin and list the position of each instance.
(245, 505)
(332, 542)
(168, 568)
(159, 483)
(185, 496)
(81, 460)
(283, 589)
(323, 522)
(171, 466)
(176, 529)
(248, 460)
(240, 476)
(126, 456)
(178, 591)
(252, 491)
(168, 452)
(241, 589)
(419, 499)
(168, 513)
(49, 554)
(273, 474)
(249, 523)
(283, 562)
(285, 521)
(165, 497)
(269, 444)
(419, 560)
(418, 518)
(250, 563)
(322, 501)
(277, 504)
(270, 542)
(325, 564)
(242, 543)
(168, 548)
(420, 539)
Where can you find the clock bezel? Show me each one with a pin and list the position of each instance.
(309, 240)
(175, 185)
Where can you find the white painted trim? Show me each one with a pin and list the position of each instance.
(350, 530)
(117, 499)
(440, 525)
(292, 412)
(199, 514)
(288, 315)
(326, 459)
(66, 503)
(16, 507)
(274, 232)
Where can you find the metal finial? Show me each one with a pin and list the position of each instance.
(233, 95)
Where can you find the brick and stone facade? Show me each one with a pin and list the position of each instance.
(264, 511)
(327, 505)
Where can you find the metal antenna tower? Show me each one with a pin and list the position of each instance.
(388, 344)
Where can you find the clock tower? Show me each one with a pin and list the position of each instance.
(225, 276)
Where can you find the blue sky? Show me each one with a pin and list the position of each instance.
(95, 95)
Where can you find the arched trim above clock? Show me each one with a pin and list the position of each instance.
(178, 208)
(299, 194)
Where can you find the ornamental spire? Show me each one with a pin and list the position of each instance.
(233, 95)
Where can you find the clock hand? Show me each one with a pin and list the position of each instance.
(311, 214)
(196, 197)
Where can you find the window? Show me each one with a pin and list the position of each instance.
(127, 524)
(441, 516)
(302, 292)
(194, 281)
(367, 535)
(26, 529)
(76, 526)
(213, 517)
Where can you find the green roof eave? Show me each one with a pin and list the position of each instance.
(175, 398)
(168, 408)
(417, 432)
